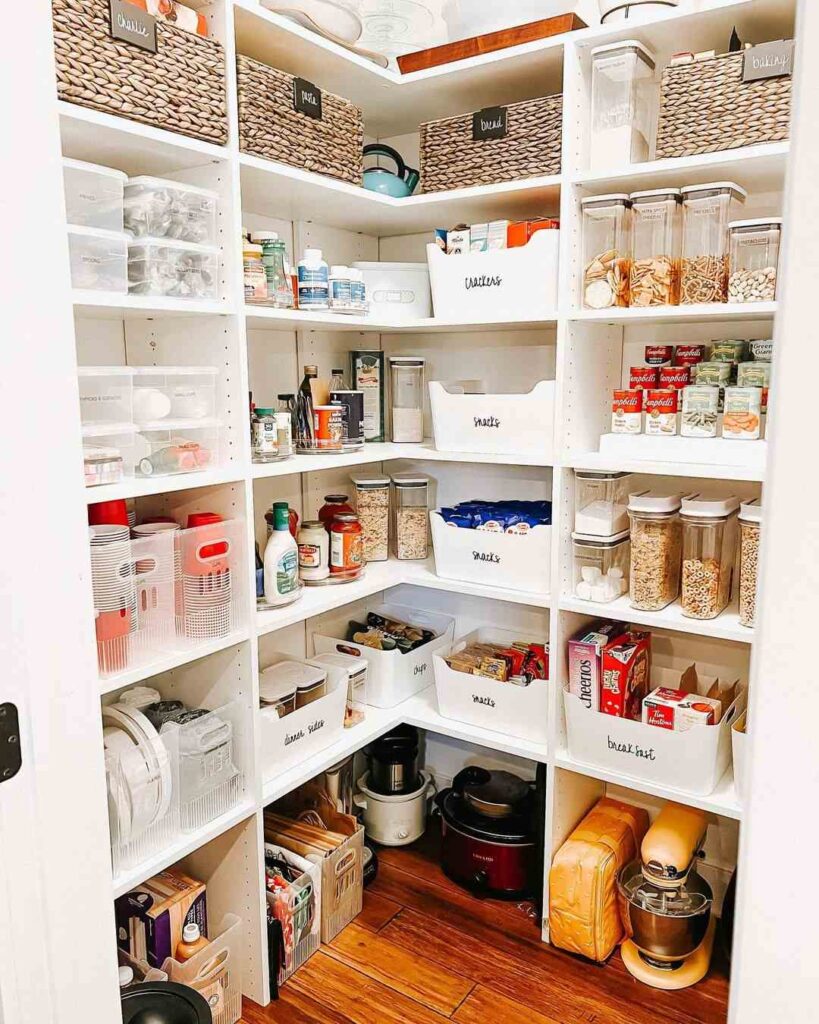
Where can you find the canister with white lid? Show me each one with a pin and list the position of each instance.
(601, 502)
(623, 97)
(656, 544)
(750, 528)
(355, 668)
(289, 685)
(709, 545)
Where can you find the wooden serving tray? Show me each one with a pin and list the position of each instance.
(463, 48)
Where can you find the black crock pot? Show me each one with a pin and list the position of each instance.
(164, 1002)
(393, 762)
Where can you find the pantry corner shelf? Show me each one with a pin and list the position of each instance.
(728, 312)
(112, 305)
(142, 487)
(655, 467)
(264, 317)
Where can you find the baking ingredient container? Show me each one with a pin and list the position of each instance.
(709, 544)
(606, 250)
(706, 214)
(98, 259)
(411, 511)
(623, 101)
(156, 208)
(397, 292)
(750, 528)
(655, 263)
(656, 543)
(600, 566)
(601, 502)
(93, 195)
(166, 266)
(373, 505)
(754, 259)
(407, 386)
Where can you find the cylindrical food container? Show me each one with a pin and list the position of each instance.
(754, 259)
(346, 546)
(655, 248)
(407, 382)
(328, 427)
(709, 549)
(606, 250)
(656, 543)
(706, 214)
(750, 528)
(372, 498)
(334, 504)
(600, 502)
(623, 92)
(314, 550)
(600, 566)
(411, 516)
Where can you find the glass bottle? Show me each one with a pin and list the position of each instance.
(279, 289)
(303, 427)
(337, 382)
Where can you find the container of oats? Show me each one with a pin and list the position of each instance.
(372, 499)
(656, 545)
(606, 250)
(709, 548)
(706, 214)
(750, 537)
(655, 250)
(411, 516)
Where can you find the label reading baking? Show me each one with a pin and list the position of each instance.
(489, 123)
(768, 60)
(132, 25)
(307, 98)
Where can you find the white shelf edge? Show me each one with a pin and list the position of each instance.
(261, 317)
(91, 303)
(724, 627)
(653, 467)
(668, 314)
(140, 487)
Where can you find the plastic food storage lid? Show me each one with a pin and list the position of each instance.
(409, 480)
(656, 193)
(83, 165)
(408, 360)
(352, 663)
(737, 191)
(607, 200)
(627, 44)
(284, 679)
(716, 508)
(81, 229)
(170, 243)
(264, 236)
(599, 474)
(751, 511)
(104, 371)
(756, 222)
(654, 501)
(601, 542)
(177, 371)
(370, 481)
(144, 181)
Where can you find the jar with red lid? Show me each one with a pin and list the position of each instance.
(346, 545)
(334, 505)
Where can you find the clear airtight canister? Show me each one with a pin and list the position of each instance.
(656, 543)
(372, 499)
(407, 382)
(706, 214)
(750, 530)
(754, 259)
(655, 248)
(411, 506)
(709, 547)
(600, 502)
(314, 281)
(606, 250)
(623, 94)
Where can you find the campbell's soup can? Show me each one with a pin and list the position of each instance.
(644, 377)
(689, 355)
(661, 412)
(659, 355)
(627, 411)
(676, 377)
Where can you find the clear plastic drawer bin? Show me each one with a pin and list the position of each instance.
(98, 259)
(93, 195)
(165, 266)
(157, 208)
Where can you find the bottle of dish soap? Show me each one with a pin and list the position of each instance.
(192, 943)
(281, 559)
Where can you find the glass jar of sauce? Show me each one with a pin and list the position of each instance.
(346, 545)
(334, 504)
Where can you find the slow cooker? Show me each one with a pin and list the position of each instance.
(392, 760)
(488, 829)
(394, 820)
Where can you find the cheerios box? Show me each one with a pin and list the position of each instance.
(585, 660)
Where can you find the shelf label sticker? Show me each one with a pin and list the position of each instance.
(133, 25)
(489, 123)
(307, 98)
(768, 60)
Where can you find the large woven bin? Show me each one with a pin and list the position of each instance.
(270, 126)
(180, 88)
(450, 158)
(705, 107)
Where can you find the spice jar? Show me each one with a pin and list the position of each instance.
(265, 436)
(372, 498)
(314, 550)
(754, 259)
(706, 214)
(623, 92)
(411, 516)
(255, 277)
(346, 545)
(600, 566)
(655, 248)
(601, 502)
(606, 250)
(656, 537)
(750, 528)
(334, 504)
(407, 384)
(709, 545)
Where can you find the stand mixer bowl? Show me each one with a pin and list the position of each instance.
(666, 925)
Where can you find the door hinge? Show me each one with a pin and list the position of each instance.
(11, 757)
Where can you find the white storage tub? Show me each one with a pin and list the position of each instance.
(99, 259)
(108, 452)
(157, 208)
(503, 284)
(492, 424)
(397, 292)
(515, 561)
(519, 711)
(693, 761)
(93, 195)
(105, 394)
(166, 266)
(394, 676)
(739, 746)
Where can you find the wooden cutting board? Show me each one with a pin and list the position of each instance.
(463, 48)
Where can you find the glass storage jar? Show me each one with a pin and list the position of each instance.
(372, 499)
(600, 566)
(623, 96)
(334, 504)
(750, 529)
(656, 543)
(706, 213)
(600, 502)
(407, 383)
(709, 547)
(654, 278)
(754, 259)
(410, 527)
(606, 250)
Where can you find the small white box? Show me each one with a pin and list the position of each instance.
(397, 292)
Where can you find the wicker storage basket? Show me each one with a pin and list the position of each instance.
(705, 107)
(270, 127)
(450, 158)
(180, 88)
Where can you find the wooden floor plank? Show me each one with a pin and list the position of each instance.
(292, 1007)
(377, 911)
(483, 1006)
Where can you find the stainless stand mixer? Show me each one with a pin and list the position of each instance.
(666, 906)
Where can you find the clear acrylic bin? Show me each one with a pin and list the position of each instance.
(601, 566)
(93, 195)
(709, 548)
(167, 447)
(108, 453)
(601, 502)
(99, 259)
(165, 266)
(213, 598)
(655, 251)
(623, 99)
(105, 394)
(606, 250)
(298, 908)
(156, 208)
(706, 213)
(216, 971)
(174, 392)
(754, 259)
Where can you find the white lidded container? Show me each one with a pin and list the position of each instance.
(99, 259)
(93, 195)
(601, 502)
(407, 388)
(355, 669)
(397, 292)
(105, 394)
(170, 267)
(158, 208)
(108, 452)
(600, 566)
(622, 106)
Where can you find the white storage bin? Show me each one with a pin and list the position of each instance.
(394, 676)
(174, 392)
(516, 561)
(99, 259)
(108, 452)
(157, 208)
(504, 284)
(519, 711)
(166, 447)
(491, 424)
(739, 746)
(298, 908)
(166, 266)
(93, 195)
(397, 292)
(105, 394)
(693, 761)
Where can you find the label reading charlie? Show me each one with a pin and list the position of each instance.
(489, 123)
(768, 60)
(133, 25)
(307, 98)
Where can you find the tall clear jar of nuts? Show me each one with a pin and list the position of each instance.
(656, 544)
(709, 551)
(655, 250)
(411, 506)
(750, 530)
(372, 498)
(706, 214)
(606, 250)
(754, 259)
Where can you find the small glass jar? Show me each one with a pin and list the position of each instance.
(656, 543)
(372, 499)
(600, 566)
(407, 383)
(314, 550)
(606, 250)
(623, 97)
(706, 214)
(255, 277)
(754, 259)
(265, 436)
(334, 504)
(346, 545)
(655, 249)
(411, 510)
(709, 547)
(600, 502)
(750, 529)
(274, 258)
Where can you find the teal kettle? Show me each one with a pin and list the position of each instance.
(399, 183)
